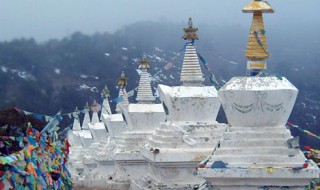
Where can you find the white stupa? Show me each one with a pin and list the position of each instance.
(191, 131)
(80, 139)
(122, 100)
(105, 94)
(255, 152)
(84, 142)
(144, 92)
(142, 118)
(86, 119)
(102, 161)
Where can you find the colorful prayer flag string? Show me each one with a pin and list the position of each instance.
(211, 77)
(289, 124)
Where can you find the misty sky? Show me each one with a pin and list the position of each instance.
(44, 19)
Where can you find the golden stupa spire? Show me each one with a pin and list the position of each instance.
(122, 80)
(257, 50)
(190, 32)
(105, 93)
(144, 63)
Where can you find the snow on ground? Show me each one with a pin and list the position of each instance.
(158, 49)
(57, 71)
(125, 58)
(233, 62)
(136, 60)
(86, 87)
(4, 69)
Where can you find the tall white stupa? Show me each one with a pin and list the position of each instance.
(144, 92)
(256, 152)
(142, 118)
(191, 131)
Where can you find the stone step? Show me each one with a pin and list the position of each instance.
(131, 140)
(258, 129)
(124, 144)
(244, 143)
(257, 150)
(126, 147)
(101, 145)
(144, 183)
(104, 141)
(164, 138)
(262, 160)
(164, 132)
(252, 135)
(159, 144)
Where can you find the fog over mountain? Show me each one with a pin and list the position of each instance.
(43, 20)
(46, 64)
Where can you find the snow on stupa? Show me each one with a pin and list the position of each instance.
(190, 133)
(257, 150)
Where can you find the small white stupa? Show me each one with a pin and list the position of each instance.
(105, 95)
(142, 119)
(122, 100)
(257, 151)
(80, 140)
(102, 156)
(84, 143)
(191, 131)
(86, 119)
(144, 93)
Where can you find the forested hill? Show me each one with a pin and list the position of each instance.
(44, 77)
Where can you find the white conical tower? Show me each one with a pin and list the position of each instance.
(122, 91)
(191, 74)
(76, 122)
(105, 94)
(86, 119)
(95, 108)
(257, 150)
(144, 95)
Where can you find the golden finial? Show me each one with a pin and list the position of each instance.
(190, 32)
(258, 5)
(95, 107)
(257, 50)
(76, 113)
(86, 107)
(144, 63)
(105, 92)
(122, 80)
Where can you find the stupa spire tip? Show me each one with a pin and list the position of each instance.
(144, 62)
(122, 80)
(190, 33)
(257, 50)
